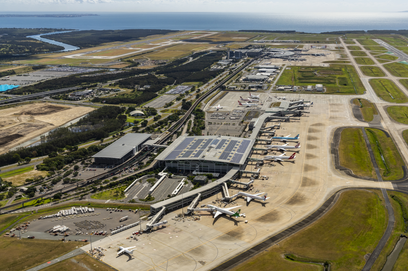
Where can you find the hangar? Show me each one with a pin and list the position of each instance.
(122, 149)
(207, 154)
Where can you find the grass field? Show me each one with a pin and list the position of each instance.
(16, 172)
(27, 253)
(404, 82)
(398, 113)
(375, 48)
(367, 42)
(82, 262)
(388, 91)
(349, 42)
(176, 51)
(372, 71)
(394, 40)
(8, 220)
(387, 56)
(113, 52)
(358, 48)
(358, 53)
(397, 69)
(367, 109)
(391, 167)
(338, 79)
(231, 36)
(364, 61)
(340, 237)
(399, 228)
(112, 194)
(353, 153)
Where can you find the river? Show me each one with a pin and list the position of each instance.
(67, 47)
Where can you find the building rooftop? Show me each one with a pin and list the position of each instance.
(136, 112)
(225, 149)
(122, 146)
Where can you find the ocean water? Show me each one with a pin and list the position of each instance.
(305, 22)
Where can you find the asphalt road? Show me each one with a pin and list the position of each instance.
(402, 56)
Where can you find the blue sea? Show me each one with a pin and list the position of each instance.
(302, 22)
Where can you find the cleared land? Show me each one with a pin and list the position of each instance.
(398, 113)
(338, 79)
(367, 109)
(375, 48)
(16, 172)
(343, 246)
(353, 153)
(364, 61)
(18, 178)
(372, 71)
(176, 51)
(21, 123)
(367, 42)
(82, 262)
(388, 91)
(27, 253)
(397, 69)
(383, 147)
(358, 53)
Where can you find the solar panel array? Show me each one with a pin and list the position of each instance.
(228, 150)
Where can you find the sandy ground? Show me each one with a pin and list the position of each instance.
(20, 178)
(22, 123)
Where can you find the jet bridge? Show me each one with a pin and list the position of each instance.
(242, 183)
(156, 218)
(193, 204)
(225, 190)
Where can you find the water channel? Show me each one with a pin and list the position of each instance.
(393, 257)
(67, 47)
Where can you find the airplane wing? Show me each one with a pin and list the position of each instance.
(278, 160)
(282, 149)
(248, 199)
(130, 247)
(231, 208)
(217, 213)
(287, 135)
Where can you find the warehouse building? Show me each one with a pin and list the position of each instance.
(122, 149)
(208, 154)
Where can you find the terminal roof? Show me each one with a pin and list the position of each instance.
(225, 149)
(122, 146)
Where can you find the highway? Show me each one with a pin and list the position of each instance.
(36, 95)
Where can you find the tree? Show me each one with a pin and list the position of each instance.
(16, 157)
(144, 123)
(76, 167)
(27, 160)
(157, 117)
(58, 196)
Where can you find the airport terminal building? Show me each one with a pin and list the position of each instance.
(122, 149)
(206, 154)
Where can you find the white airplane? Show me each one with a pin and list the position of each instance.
(253, 96)
(283, 147)
(127, 250)
(279, 158)
(218, 107)
(247, 104)
(249, 99)
(285, 138)
(250, 197)
(219, 211)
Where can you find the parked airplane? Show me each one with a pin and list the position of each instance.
(253, 96)
(219, 211)
(247, 104)
(249, 99)
(250, 197)
(283, 147)
(279, 158)
(127, 250)
(308, 104)
(218, 107)
(286, 138)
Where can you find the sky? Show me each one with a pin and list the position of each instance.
(269, 6)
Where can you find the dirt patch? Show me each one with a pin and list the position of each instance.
(6, 139)
(310, 156)
(297, 199)
(313, 130)
(311, 146)
(312, 138)
(270, 217)
(198, 251)
(308, 168)
(317, 124)
(43, 110)
(307, 182)
(20, 178)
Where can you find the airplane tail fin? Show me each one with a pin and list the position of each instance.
(265, 196)
(297, 145)
(237, 213)
(239, 103)
(297, 136)
(293, 156)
